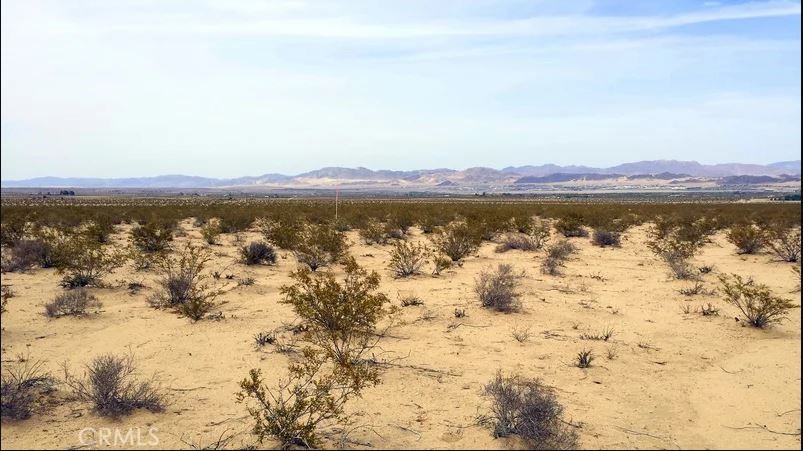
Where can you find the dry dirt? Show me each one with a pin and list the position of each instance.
(677, 381)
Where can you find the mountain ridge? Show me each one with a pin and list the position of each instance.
(547, 173)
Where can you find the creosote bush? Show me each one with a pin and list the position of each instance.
(258, 252)
(72, 303)
(407, 259)
(282, 233)
(152, 237)
(755, 301)
(571, 226)
(529, 409)
(556, 256)
(211, 231)
(341, 316)
(748, 238)
(677, 242)
(111, 385)
(85, 262)
(499, 289)
(184, 286)
(785, 243)
(313, 393)
(456, 240)
(319, 245)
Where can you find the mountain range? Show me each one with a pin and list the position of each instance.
(666, 170)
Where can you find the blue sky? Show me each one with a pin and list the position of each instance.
(239, 87)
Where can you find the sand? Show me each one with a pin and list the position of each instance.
(677, 381)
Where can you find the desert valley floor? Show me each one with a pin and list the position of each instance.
(677, 380)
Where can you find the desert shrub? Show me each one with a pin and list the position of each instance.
(519, 241)
(410, 301)
(603, 335)
(529, 409)
(440, 263)
(111, 385)
(312, 393)
(211, 231)
(86, 262)
(151, 237)
(72, 303)
(606, 237)
(401, 221)
(27, 254)
(12, 229)
(262, 339)
(571, 226)
(6, 293)
(748, 238)
(21, 385)
(184, 286)
(406, 259)
(694, 290)
(341, 316)
(320, 245)
(584, 358)
(499, 289)
(258, 252)
(785, 243)
(456, 241)
(556, 256)
(98, 230)
(374, 232)
(676, 244)
(284, 234)
(758, 305)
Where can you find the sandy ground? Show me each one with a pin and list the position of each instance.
(678, 380)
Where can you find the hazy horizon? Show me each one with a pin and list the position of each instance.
(224, 89)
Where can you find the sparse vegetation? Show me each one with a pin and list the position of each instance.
(556, 256)
(786, 244)
(407, 259)
(211, 231)
(183, 284)
(605, 237)
(22, 384)
(72, 303)
(258, 252)
(528, 409)
(584, 358)
(457, 241)
(111, 385)
(748, 238)
(341, 317)
(755, 301)
(499, 289)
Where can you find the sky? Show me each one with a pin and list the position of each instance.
(227, 88)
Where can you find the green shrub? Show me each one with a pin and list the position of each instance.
(184, 286)
(785, 243)
(86, 262)
(756, 302)
(341, 317)
(456, 241)
(407, 259)
(211, 231)
(748, 238)
(151, 237)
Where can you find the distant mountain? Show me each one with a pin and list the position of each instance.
(657, 170)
